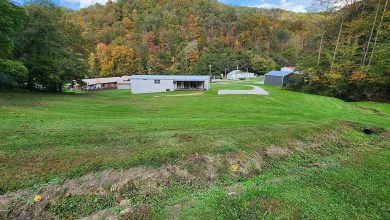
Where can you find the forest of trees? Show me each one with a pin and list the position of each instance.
(41, 47)
(352, 59)
(342, 51)
(186, 36)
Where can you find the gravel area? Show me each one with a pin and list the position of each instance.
(255, 91)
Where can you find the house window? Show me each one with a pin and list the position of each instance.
(157, 81)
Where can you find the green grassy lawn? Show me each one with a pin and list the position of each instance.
(351, 183)
(47, 136)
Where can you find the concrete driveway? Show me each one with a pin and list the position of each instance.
(255, 91)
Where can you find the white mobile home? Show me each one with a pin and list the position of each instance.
(166, 83)
(238, 75)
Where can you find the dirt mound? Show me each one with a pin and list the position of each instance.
(145, 180)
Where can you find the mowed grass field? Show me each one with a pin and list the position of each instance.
(58, 136)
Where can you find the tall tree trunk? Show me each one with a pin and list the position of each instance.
(320, 49)
(372, 31)
(378, 32)
(337, 45)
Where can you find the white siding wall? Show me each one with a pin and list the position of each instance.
(250, 75)
(287, 69)
(207, 84)
(123, 85)
(242, 75)
(148, 86)
(231, 76)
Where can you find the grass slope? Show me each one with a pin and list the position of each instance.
(48, 136)
(44, 135)
(351, 183)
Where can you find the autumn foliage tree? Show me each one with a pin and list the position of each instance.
(173, 36)
(343, 68)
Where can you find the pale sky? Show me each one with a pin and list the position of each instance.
(292, 5)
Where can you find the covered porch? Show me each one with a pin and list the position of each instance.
(189, 85)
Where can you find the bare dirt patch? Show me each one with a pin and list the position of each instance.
(277, 152)
(362, 128)
(386, 135)
(244, 165)
(270, 205)
(183, 136)
(372, 110)
(235, 190)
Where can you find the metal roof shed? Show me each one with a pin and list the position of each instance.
(277, 78)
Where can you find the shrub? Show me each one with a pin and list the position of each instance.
(12, 73)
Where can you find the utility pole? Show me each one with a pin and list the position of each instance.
(210, 69)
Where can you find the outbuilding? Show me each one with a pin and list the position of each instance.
(238, 75)
(277, 78)
(165, 83)
(101, 83)
(123, 82)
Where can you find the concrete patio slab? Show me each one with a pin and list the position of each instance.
(255, 91)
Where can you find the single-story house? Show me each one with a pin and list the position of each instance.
(277, 78)
(238, 75)
(166, 83)
(288, 68)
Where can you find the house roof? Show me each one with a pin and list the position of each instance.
(171, 77)
(105, 80)
(278, 73)
(100, 80)
(239, 72)
(234, 72)
(124, 80)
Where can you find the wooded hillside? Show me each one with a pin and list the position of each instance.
(186, 36)
(341, 51)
